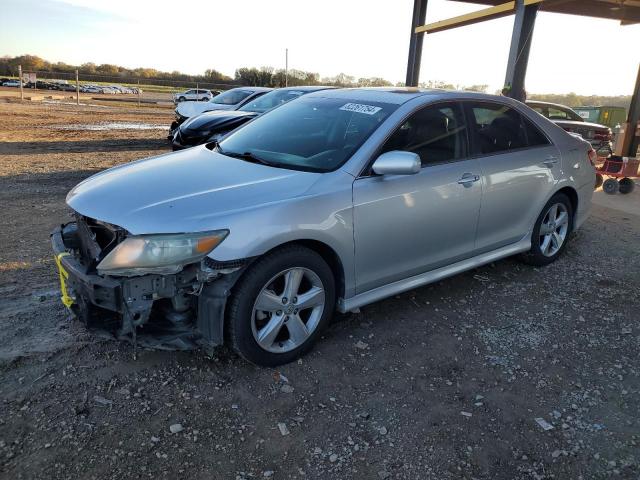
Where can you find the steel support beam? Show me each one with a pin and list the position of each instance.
(415, 43)
(631, 141)
(524, 22)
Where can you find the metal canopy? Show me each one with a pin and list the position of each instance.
(525, 12)
(626, 11)
(501, 9)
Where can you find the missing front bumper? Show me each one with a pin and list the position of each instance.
(181, 311)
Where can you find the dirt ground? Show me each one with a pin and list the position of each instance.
(444, 382)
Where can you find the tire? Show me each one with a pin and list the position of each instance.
(599, 180)
(181, 99)
(267, 279)
(611, 186)
(626, 185)
(544, 246)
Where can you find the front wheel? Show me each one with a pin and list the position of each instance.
(280, 306)
(550, 232)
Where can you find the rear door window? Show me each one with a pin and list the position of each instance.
(496, 128)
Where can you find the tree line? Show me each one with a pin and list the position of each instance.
(249, 76)
(262, 76)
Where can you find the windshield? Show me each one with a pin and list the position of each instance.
(314, 134)
(231, 97)
(271, 100)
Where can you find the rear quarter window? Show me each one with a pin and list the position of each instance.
(535, 136)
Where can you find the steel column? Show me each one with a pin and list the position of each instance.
(524, 21)
(631, 138)
(415, 44)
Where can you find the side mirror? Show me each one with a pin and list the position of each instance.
(397, 162)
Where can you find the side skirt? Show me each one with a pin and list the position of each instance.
(379, 293)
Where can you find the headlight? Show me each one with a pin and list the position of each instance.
(160, 254)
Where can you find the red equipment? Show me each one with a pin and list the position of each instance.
(621, 172)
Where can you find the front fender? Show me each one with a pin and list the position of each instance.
(325, 218)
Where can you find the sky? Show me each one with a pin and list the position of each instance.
(363, 38)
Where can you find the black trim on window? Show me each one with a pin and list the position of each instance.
(473, 135)
(366, 171)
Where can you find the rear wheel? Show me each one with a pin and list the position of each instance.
(550, 232)
(280, 306)
(599, 180)
(611, 186)
(626, 185)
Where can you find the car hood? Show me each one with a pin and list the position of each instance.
(191, 109)
(216, 120)
(188, 191)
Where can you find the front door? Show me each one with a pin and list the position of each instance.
(408, 224)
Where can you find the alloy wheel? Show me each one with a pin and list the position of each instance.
(288, 310)
(554, 229)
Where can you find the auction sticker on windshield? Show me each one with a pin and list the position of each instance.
(360, 108)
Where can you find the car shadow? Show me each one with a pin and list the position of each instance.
(31, 148)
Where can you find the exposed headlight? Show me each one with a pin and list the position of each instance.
(160, 254)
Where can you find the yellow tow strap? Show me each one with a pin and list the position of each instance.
(67, 299)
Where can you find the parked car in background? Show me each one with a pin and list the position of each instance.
(229, 100)
(600, 136)
(605, 115)
(11, 83)
(332, 201)
(91, 89)
(214, 125)
(42, 85)
(197, 95)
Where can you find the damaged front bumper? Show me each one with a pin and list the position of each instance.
(178, 311)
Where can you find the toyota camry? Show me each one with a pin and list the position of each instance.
(333, 201)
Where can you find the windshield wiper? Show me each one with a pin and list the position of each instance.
(248, 156)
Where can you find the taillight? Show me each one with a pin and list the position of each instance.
(603, 135)
(593, 156)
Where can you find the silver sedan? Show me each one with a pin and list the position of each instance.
(332, 201)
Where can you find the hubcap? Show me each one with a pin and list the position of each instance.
(287, 310)
(554, 229)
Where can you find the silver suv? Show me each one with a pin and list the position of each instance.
(332, 201)
(193, 95)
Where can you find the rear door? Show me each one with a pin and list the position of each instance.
(405, 225)
(519, 166)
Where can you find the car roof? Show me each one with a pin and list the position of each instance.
(307, 88)
(400, 95)
(255, 89)
(393, 95)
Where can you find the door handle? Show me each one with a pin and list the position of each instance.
(468, 178)
(550, 161)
